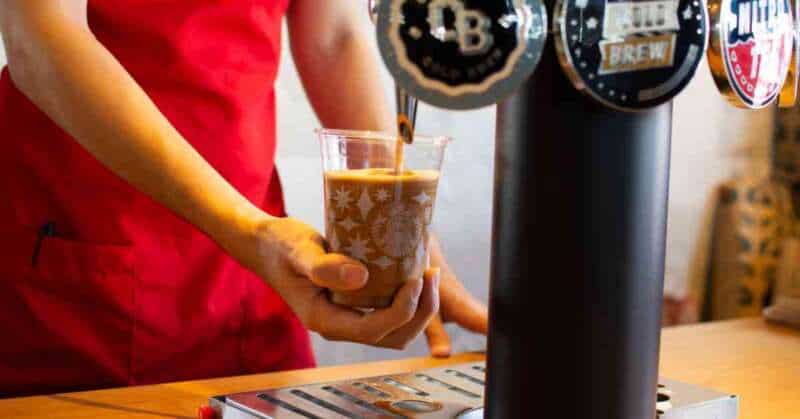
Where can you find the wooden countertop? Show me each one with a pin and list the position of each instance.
(759, 362)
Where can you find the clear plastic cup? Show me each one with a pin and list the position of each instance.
(376, 215)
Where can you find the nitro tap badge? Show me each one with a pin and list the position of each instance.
(461, 54)
(751, 49)
(630, 54)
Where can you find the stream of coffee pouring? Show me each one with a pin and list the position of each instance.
(406, 107)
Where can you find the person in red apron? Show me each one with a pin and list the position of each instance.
(143, 235)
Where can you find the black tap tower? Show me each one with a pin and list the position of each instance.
(578, 257)
(582, 174)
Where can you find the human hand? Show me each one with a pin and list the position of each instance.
(457, 305)
(292, 258)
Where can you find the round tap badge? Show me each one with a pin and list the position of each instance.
(788, 96)
(630, 54)
(461, 54)
(751, 49)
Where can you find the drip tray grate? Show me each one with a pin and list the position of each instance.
(450, 392)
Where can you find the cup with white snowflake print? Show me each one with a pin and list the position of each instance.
(376, 215)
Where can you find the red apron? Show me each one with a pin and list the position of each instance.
(101, 286)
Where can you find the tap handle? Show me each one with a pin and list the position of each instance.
(406, 114)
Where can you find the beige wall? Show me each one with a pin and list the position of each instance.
(711, 141)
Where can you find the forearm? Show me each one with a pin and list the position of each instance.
(339, 69)
(55, 61)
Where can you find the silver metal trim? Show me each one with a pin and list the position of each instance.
(678, 400)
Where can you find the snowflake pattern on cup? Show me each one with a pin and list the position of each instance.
(382, 226)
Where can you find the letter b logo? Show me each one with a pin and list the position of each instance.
(470, 27)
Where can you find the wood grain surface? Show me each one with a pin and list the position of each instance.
(759, 362)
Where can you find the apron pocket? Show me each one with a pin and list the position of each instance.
(70, 314)
(87, 272)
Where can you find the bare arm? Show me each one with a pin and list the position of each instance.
(56, 61)
(331, 45)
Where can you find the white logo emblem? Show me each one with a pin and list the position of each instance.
(397, 230)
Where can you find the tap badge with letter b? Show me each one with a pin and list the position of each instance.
(751, 49)
(461, 54)
(630, 54)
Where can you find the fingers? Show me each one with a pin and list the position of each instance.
(328, 270)
(427, 308)
(438, 339)
(338, 323)
(460, 307)
(405, 308)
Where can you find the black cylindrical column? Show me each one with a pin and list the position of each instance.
(578, 257)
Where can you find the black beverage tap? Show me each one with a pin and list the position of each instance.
(581, 181)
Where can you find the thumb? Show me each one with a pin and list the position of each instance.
(328, 270)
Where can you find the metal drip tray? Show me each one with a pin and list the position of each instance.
(449, 392)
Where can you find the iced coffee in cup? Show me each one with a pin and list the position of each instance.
(376, 213)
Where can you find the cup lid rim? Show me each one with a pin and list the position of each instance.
(383, 136)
